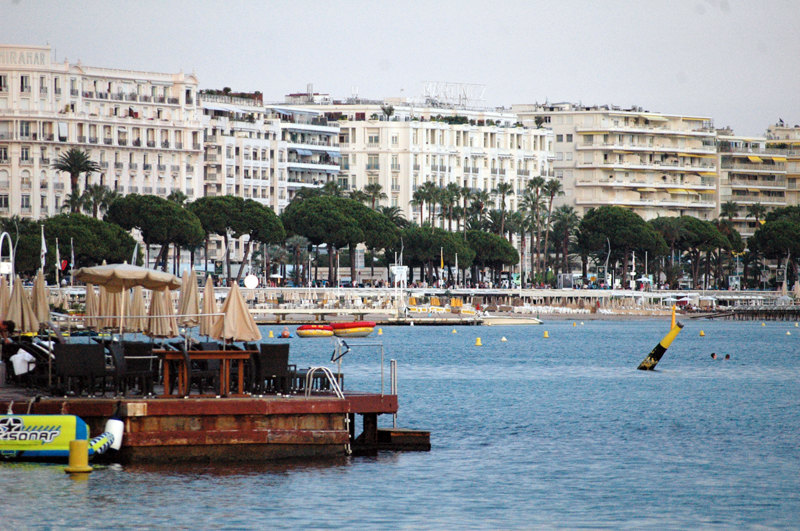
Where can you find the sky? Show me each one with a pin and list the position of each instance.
(735, 61)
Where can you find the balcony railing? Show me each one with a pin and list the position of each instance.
(137, 142)
(133, 189)
(189, 168)
(178, 145)
(42, 90)
(58, 186)
(57, 92)
(151, 143)
(161, 167)
(165, 143)
(132, 97)
(122, 141)
(93, 140)
(73, 92)
(44, 161)
(104, 164)
(175, 167)
(147, 189)
(161, 191)
(173, 101)
(118, 165)
(395, 167)
(159, 99)
(133, 166)
(48, 137)
(776, 167)
(373, 167)
(25, 161)
(196, 147)
(147, 167)
(145, 99)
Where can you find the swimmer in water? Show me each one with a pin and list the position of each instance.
(727, 356)
(713, 355)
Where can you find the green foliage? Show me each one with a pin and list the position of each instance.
(491, 250)
(424, 246)
(75, 161)
(93, 241)
(159, 221)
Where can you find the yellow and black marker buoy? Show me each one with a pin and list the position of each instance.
(380, 331)
(78, 457)
(546, 335)
(654, 357)
(671, 326)
(702, 334)
(271, 334)
(478, 342)
(503, 339)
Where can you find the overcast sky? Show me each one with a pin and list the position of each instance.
(734, 60)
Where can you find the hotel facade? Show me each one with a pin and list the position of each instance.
(142, 128)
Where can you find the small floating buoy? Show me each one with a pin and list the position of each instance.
(702, 334)
(271, 334)
(788, 333)
(78, 457)
(546, 335)
(454, 330)
(574, 324)
(763, 324)
(478, 342)
(795, 325)
(380, 331)
(503, 339)
(411, 323)
(581, 323)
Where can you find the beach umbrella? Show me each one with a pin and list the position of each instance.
(162, 320)
(118, 277)
(136, 317)
(188, 305)
(209, 308)
(5, 297)
(110, 308)
(92, 309)
(795, 290)
(39, 299)
(20, 311)
(236, 323)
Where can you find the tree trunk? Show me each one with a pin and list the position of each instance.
(625, 269)
(227, 260)
(353, 264)
(331, 275)
(246, 254)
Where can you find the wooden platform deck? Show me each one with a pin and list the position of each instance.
(255, 428)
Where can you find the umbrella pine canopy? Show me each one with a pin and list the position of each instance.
(236, 323)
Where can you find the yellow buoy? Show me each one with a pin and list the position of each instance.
(380, 331)
(78, 457)
(478, 342)
(574, 324)
(271, 334)
(795, 325)
(546, 335)
(503, 339)
(763, 324)
(702, 334)
(454, 330)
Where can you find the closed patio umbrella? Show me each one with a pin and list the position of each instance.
(92, 309)
(110, 308)
(188, 305)
(236, 323)
(39, 299)
(5, 297)
(136, 317)
(209, 308)
(20, 311)
(162, 321)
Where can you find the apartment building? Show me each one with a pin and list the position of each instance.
(654, 164)
(750, 173)
(401, 144)
(142, 128)
(786, 141)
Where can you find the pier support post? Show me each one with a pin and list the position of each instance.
(370, 428)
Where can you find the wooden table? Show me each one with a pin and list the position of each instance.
(225, 357)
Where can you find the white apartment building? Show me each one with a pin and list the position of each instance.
(750, 173)
(142, 128)
(655, 164)
(786, 141)
(420, 143)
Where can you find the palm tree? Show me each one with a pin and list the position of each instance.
(532, 202)
(495, 220)
(466, 195)
(503, 189)
(450, 197)
(73, 203)
(388, 111)
(176, 196)
(395, 215)
(333, 188)
(360, 196)
(75, 162)
(757, 211)
(430, 192)
(298, 247)
(551, 189)
(480, 200)
(97, 198)
(729, 209)
(375, 194)
(565, 222)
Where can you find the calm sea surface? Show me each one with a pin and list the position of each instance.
(532, 433)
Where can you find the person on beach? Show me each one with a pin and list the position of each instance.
(713, 355)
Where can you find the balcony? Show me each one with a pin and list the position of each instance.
(132, 97)
(119, 96)
(137, 142)
(122, 141)
(58, 186)
(81, 140)
(165, 144)
(147, 189)
(147, 167)
(3, 185)
(161, 167)
(25, 161)
(145, 99)
(4, 160)
(777, 167)
(43, 185)
(3, 88)
(196, 147)
(73, 92)
(189, 168)
(57, 92)
(161, 190)
(758, 183)
(151, 143)
(25, 90)
(754, 198)
(525, 173)
(104, 164)
(416, 167)
(93, 140)
(44, 161)
(133, 189)
(119, 188)
(133, 166)
(48, 137)
(25, 185)
(373, 167)
(395, 167)
(42, 90)
(159, 99)
(190, 192)
(175, 167)
(173, 101)
(178, 145)
(118, 165)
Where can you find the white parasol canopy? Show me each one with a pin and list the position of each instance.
(162, 320)
(5, 297)
(116, 277)
(39, 299)
(237, 324)
(136, 317)
(92, 309)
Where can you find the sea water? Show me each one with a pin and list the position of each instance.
(530, 433)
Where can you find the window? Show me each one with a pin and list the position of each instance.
(43, 202)
(25, 153)
(568, 155)
(559, 156)
(372, 162)
(3, 153)
(25, 83)
(569, 138)
(559, 138)
(25, 201)
(373, 136)
(25, 129)
(3, 86)
(3, 201)
(395, 140)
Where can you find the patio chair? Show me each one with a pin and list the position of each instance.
(272, 371)
(78, 366)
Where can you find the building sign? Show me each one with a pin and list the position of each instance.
(23, 57)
